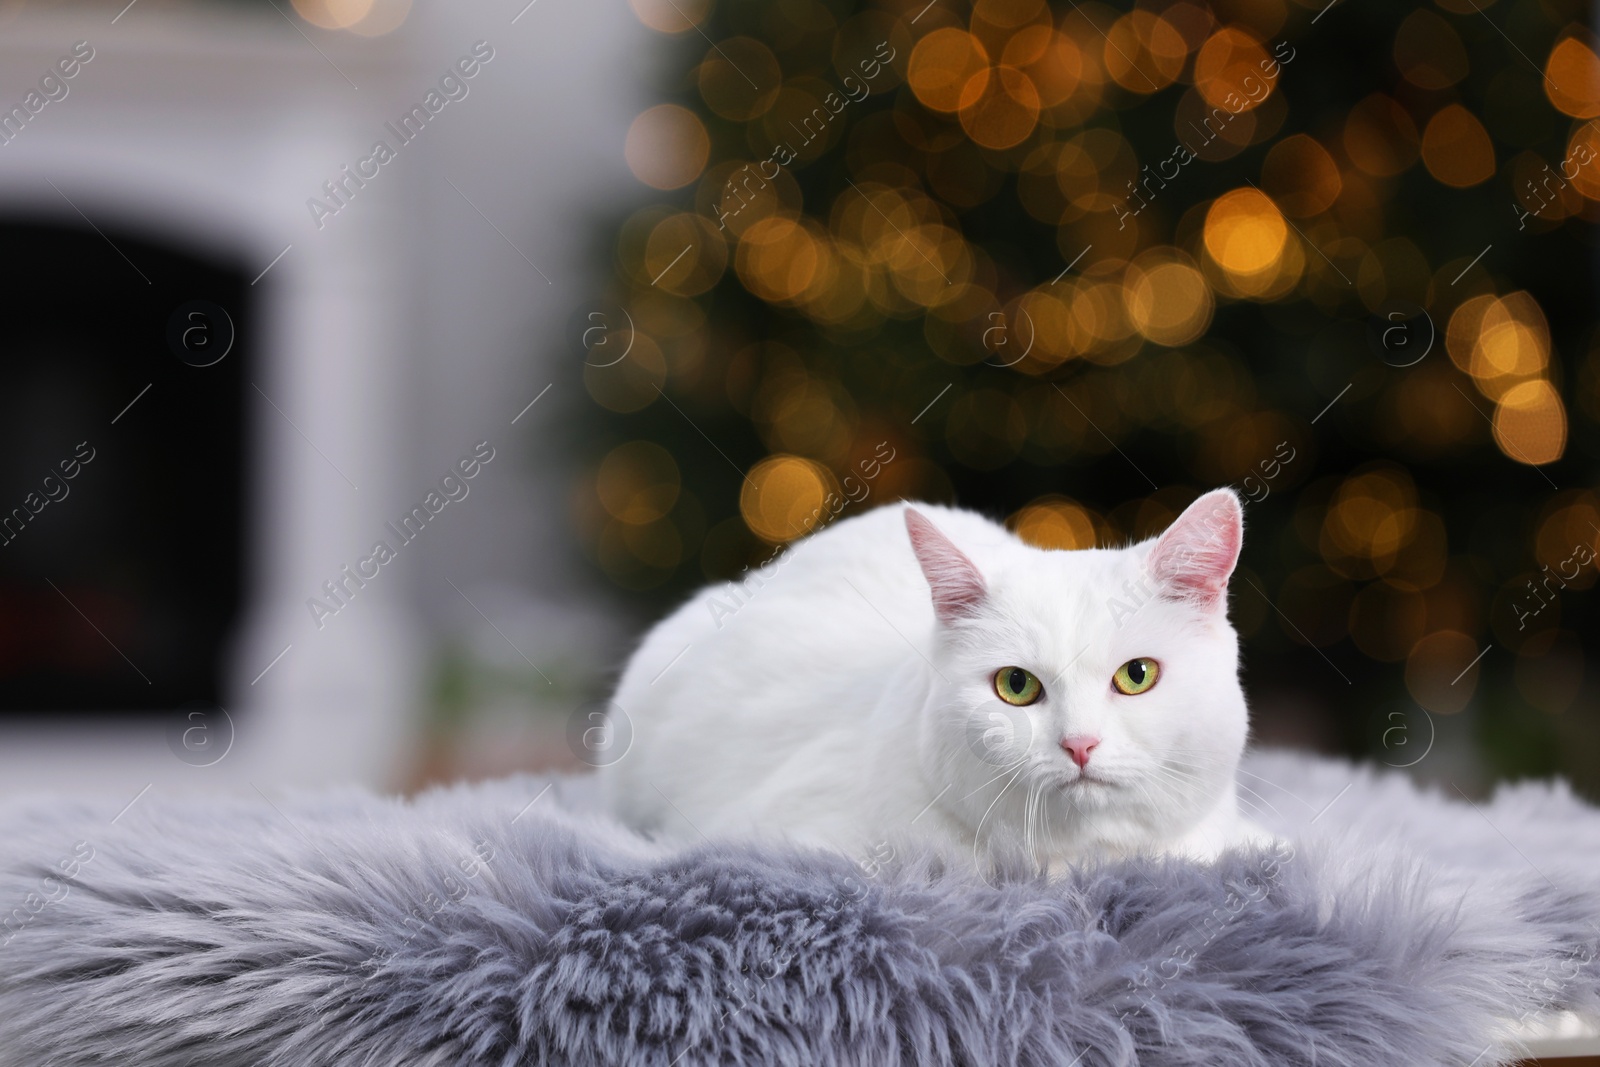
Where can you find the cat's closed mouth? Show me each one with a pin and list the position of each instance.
(1085, 778)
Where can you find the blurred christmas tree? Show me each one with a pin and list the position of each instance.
(1075, 264)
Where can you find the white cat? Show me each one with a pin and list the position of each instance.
(920, 670)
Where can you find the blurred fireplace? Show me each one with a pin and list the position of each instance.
(173, 570)
(123, 541)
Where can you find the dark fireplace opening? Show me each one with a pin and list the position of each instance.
(124, 368)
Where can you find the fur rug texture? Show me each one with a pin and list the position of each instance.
(504, 924)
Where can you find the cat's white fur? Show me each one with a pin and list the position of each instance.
(846, 696)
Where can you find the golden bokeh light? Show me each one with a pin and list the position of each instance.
(1582, 162)
(1100, 312)
(1456, 148)
(1380, 137)
(949, 68)
(1101, 229)
(838, 294)
(1143, 52)
(1530, 423)
(1167, 298)
(663, 316)
(1569, 532)
(1093, 170)
(1008, 14)
(1545, 196)
(382, 16)
(1193, 19)
(1371, 517)
(927, 264)
(1441, 672)
(1056, 522)
(1301, 176)
(1211, 131)
(1513, 344)
(1244, 232)
(1464, 328)
(638, 482)
(658, 545)
(1267, 285)
(639, 557)
(739, 78)
(667, 146)
(1424, 414)
(333, 14)
(1420, 563)
(685, 254)
(1429, 52)
(1050, 59)
(385, 16)
(784, 497)
(739, 193)
(1004, 110)
(777, 259)
(801, 413)
(801, 120)
(1230, 70)
(671, 16)
(1572, 79)
(1048, 330)
(1026, 47)
(1037, 189)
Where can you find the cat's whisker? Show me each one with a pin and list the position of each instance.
(1275, 785)
(1075, 807)
(1149, 798)
(1030, 838)
(1171, 780)
(1039, 824)
(1027, 817)
(1176, 763)
(1258, 807)
(1248, 799)
(1204, 759)
(978, 833)
(1175, 774)
(1041, 835)
(1260, 804)
(997, 777)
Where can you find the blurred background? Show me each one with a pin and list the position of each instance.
(631, 291)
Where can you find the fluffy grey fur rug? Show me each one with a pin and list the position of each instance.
(470, 928)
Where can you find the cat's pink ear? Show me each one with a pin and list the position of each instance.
(1195, 557)
(958, 587)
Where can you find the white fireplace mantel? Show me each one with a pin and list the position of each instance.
(207, 131)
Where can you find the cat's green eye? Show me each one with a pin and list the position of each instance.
(1017, 686)
(1135, 676)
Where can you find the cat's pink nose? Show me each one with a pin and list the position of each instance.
(1079, 748)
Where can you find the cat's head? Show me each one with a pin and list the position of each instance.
(1085, 700)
